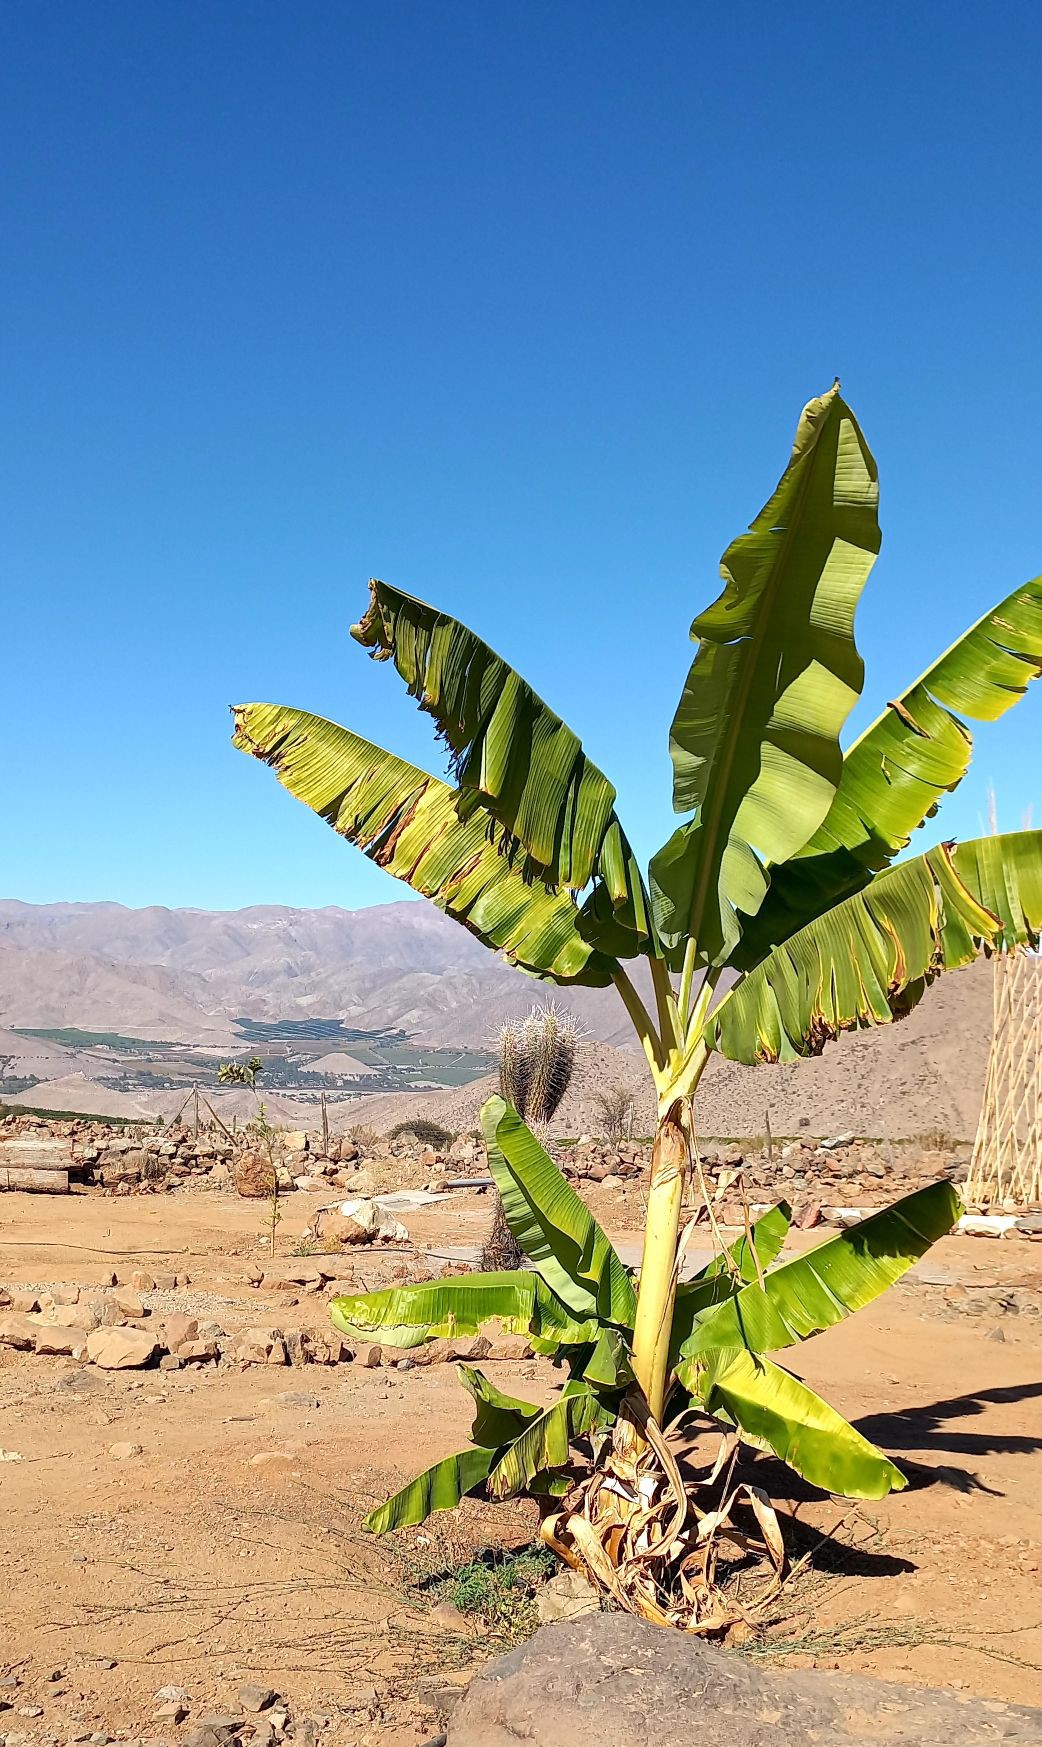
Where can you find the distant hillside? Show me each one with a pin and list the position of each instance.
(186, 975)
(924, 1075)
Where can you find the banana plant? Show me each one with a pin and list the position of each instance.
(782, 911)
(579, 1303)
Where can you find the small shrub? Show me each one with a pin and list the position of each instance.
(498, 1588)
(364, 1137)
(421, 1128)
(616, 1110)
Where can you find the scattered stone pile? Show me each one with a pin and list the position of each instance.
(257, 1715)
(131, 1159)
(839, 1171)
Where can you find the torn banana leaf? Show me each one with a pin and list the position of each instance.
(516, 762)
(824, 1285)
(869, 960)
(552, 1224)
(774, 1411)
(407, 822)
(895, 774)
(464, 1305)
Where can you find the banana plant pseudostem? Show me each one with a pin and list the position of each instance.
(779, 913)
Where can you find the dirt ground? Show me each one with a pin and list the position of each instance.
(194, 1564)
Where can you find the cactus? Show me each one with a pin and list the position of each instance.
(536, 1061)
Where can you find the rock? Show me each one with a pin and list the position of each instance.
(198, 1352)
(272, 1459)
(142, 1281)
(17, 1331)
(296, 1141)
(68, 1342)
(120, 1349)
(624, 1683)
(566, 1597)
(24, 1302)
(256, 1698)
(359, 1222)
(171, 1695)
(509, 1347)
(125, 1452)
(127, 1302)
(254, 1175)
(259, 1346)
(83, 1316)
(176, 1330)
(172, 1711)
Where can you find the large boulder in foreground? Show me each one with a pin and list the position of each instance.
(618, 1682)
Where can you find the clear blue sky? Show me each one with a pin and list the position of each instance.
(513, 305)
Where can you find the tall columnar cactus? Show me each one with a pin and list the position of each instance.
(537, 1060)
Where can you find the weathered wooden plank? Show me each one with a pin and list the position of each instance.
(39, 1155)
(49, 1182)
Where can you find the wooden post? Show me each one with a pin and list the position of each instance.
(48, 1182)
(325, 1125)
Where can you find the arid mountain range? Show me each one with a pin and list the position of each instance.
(185, 976)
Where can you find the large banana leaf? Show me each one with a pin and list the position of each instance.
(407, 822)
(439, 1488)
(515, 759)
(775, 1411)
(406, 1316)
(816, 1290)
(895, 774)
(498, 1418)
(720, 1279)
(545, 1442)
(755, 740)
(768, 1234)
(869, 959)
(553, 1225)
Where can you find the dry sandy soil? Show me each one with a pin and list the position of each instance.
(191, 1564)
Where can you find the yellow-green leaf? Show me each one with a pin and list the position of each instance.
(868, 960)
(897, 771)
(516, 762)
(774, 1411)
(755, 740)
(407, 822)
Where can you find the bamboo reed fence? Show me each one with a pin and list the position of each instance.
(1006, 1167)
